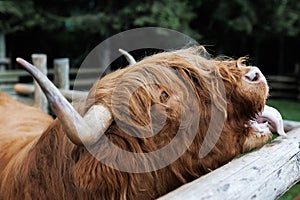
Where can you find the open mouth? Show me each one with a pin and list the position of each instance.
(269, 120)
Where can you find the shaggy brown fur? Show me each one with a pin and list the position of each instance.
(50, 166)
(19, 126)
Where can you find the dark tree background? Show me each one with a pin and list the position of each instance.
(268, 31)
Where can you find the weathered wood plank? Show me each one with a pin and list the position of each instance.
(27, 89)
(72, 95)
(12, 76)
(24, 89)
(263, 174)
(73, 71)
(9, 79)
(277, 78)
(14, 73)
(284, 86)
(6, 87)
(85, 71)
(40, 100)
(82, 83)
(61, 73)
(290, 125)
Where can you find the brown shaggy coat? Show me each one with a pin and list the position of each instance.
(38, 164)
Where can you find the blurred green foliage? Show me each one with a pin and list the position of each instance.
(110, 16)
(16, 16)
(234, 27)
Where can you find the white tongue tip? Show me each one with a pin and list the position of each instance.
(274, 118)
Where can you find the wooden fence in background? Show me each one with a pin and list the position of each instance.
(285, 86)
(12, 81)
(281, 87)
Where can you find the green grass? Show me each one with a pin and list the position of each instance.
(292, 193)
(289, 110)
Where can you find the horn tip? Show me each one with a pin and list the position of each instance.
(21, 61)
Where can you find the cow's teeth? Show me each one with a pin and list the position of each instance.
(269, 118)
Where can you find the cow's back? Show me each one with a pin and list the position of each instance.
(19, 125)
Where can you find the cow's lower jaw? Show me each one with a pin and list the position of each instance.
(269, 120)
(260, 129)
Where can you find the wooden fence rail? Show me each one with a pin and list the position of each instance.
(285, 86)
(263, 174)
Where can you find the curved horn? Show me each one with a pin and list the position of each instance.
(77, 128)
(128, 57)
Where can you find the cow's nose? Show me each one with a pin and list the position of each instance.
(254, 75)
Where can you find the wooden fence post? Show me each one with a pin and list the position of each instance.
(40, 100)
(61, 73)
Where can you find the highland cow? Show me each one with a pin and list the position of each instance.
(113, 144)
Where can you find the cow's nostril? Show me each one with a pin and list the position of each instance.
(248, 78)
(253, 75)
(256, 77)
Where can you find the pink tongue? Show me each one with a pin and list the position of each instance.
(274, 118)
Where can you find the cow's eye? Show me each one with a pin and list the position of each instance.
(164, 96)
